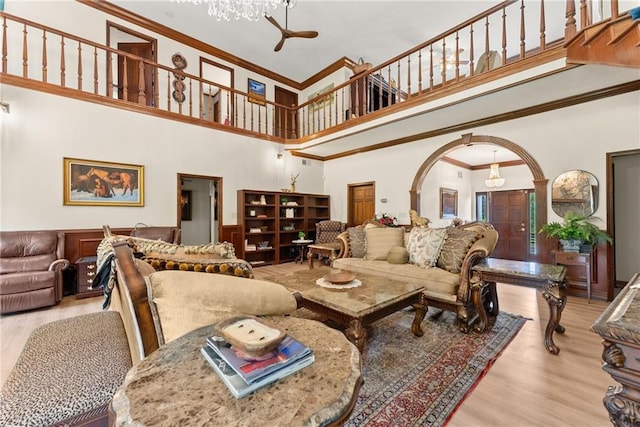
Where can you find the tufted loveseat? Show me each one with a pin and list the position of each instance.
(439, 259)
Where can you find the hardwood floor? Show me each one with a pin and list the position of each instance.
(525, 387)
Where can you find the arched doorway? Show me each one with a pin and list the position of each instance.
(539, 180)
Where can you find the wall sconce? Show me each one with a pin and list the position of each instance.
(4, 107)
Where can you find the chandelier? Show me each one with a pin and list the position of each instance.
(248, 9)
(494, 175)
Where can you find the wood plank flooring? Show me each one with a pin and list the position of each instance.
(525, 387)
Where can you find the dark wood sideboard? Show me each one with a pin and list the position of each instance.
(619, 326)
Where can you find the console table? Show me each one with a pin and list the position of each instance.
(176, 386)
(580, 259)
(549, 279)
(619, 326)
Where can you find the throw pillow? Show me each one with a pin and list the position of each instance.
(425, 244)
(379, 240)
(455, 248)
(356, 242)
(398, 255)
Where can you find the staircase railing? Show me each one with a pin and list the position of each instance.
(510, 32)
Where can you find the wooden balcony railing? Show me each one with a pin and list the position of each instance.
(510, 32)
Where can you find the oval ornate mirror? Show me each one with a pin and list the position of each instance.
(574, 191)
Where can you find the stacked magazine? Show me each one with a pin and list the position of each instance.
(244, 374)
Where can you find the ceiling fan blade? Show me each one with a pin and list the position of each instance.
(305, 34)
(273, 21)
(280, 43)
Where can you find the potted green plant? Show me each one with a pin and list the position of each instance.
(574, 231)
(301, 235)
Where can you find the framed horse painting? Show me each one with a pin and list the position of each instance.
(96, 183)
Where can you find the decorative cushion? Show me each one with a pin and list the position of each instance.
(398, 255)
(379, 240)
(232, 267)
(455, 248)
(357, 242)
(185, 301)
(425, 244)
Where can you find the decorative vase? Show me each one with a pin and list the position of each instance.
(571, 245)
(293, 187)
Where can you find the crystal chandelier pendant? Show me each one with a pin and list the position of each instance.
(494, 175)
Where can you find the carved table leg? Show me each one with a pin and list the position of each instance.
(421, 308)
(477, 287)
(310, 258)
(556, 304)
(357, 334)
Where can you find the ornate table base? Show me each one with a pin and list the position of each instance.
(549, 279)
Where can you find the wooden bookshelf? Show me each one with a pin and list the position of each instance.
(276, 218)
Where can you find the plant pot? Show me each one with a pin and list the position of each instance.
(571, 245)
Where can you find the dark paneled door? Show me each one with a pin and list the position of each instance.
(285, 120)
(143, 50)
(509, 214)
(362, 203)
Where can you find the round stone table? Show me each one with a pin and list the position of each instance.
(176, 386)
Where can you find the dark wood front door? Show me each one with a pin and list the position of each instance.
(285, 120)
(361, 203)
(134, 91)
(509, 214)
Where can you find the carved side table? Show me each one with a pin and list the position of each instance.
(619, 326)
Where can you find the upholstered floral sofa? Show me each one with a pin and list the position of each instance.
(438, 258)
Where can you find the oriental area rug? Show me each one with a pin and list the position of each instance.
(421, 381)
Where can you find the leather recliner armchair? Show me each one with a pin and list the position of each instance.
(31, 264)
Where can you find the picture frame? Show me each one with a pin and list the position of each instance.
(185, 203)
(257, 91)
(101, 183)
(323, 102)
(448, 203)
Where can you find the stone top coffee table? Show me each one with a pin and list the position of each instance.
(176, 386)
(357, 307)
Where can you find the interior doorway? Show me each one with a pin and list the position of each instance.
(285, 119)
(361, 203)
(199, 208)
(623, 204)
(129, 84)
(217, 102)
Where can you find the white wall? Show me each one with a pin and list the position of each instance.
(576, 137)
(42, 129)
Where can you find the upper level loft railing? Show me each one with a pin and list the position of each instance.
(515, 30)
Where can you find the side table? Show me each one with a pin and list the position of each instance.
(321, 250)
(301, 245)
(581, 259)
(175, 385)
(86, 269)
(548, 279)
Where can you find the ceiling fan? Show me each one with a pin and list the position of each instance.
(286, 32)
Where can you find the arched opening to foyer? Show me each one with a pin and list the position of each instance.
(539, 180)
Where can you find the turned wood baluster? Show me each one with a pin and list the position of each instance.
(342, 101)
(443, 63)
(109, 75)
(504, 36)
(408, 80)
(457, 57)
(379, 84)
(79, 66)
(227, 116)
(543, 28)
(357, 106)
(570, 25)
(44, 56)
(25, 55)
(168, 91)
(235, 109)
(486, 44)
(522, 31)
(388, 74)
(430, 67)
(471, 57)
(190, 97)
(244, 112)
(420, 71)
(142, 97)
(95, 70)
(4, 44)
(210, 106)
(62, 64)
(615, 10)
(125, 80)
(585, 17)
(399, 79)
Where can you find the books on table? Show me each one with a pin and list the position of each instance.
(243, 374)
